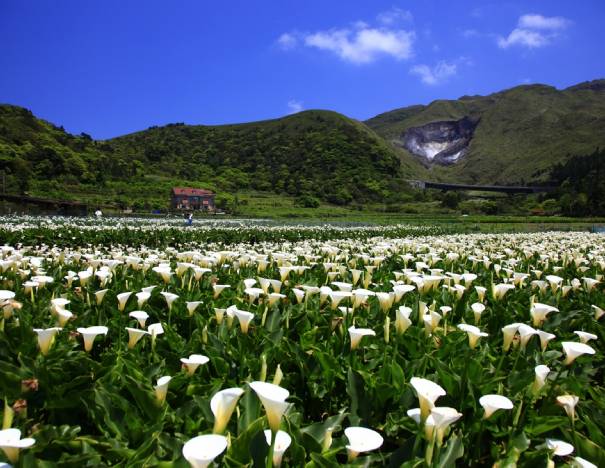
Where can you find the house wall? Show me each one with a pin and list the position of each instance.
(195, 202)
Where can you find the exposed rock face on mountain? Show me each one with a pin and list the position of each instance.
(443, 142)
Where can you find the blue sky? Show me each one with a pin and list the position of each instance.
(114, 66)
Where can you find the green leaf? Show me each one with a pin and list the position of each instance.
(454, 449)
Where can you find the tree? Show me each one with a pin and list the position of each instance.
(450, 200)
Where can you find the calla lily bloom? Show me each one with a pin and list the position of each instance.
(170, 298)
(555, 282)
(337, 296)
(244, 318)
(122, 299)
(559, 448)
(140, 315)
(585, 337)
(29, 287)
(598, 312)
(253, 294)
(275, 297)
(360, 297)
(579, 462)
(100, 295)
(282, 442)
(134, 335)
(142, 298)
(480, 292)
(46, 338)
(11, 443)
(218, 289)
(401, 289)
(6, 295)
(84, 276)
(202, 450)
(427, 393)
(385, 300)
(191, 306)
(154, 330)
(164, 272)
(541, 372)
(477, 309)
(402, 319)
(89, 334)
(355, 275)
(362, 439)
(499, 290)
(492, 403)
(590, 283)
(526, 332)
(572, 350)
(473, 334)
(193, 362)
(161, 388)
(443, 417)
(58, 303)
(222, 405)
(545, 337)
(148, 289)
(299, 294)
(219, 314)
(509, 332)
(356, 334)
(63, 316)
(568, 402)
(273, 397)
(539, 312)
(431, 321)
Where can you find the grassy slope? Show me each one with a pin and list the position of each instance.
(522, 133)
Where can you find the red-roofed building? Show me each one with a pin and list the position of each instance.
(185, 198)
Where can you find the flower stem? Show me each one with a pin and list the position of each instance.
(269, 463)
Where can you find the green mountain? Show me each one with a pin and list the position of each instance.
(313, 153)
(514, 136)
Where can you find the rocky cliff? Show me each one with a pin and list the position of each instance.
(443, 142)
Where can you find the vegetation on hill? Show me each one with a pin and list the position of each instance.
(582, 185)
(525, 135)
(312, 155)
(522, 133)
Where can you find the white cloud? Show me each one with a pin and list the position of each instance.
(534, 31)
(360, 42)
(525, 38)
(363, 45)
(543, 22)
(287, 41)
(436, 74)
(294, 106)
(394, 15)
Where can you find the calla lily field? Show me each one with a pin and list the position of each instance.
(132, 342)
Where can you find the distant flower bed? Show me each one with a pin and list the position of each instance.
(345, 345)
(159, 232)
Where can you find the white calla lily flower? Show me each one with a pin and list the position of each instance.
(202, 450)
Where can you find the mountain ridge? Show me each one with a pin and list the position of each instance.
(521, 134)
